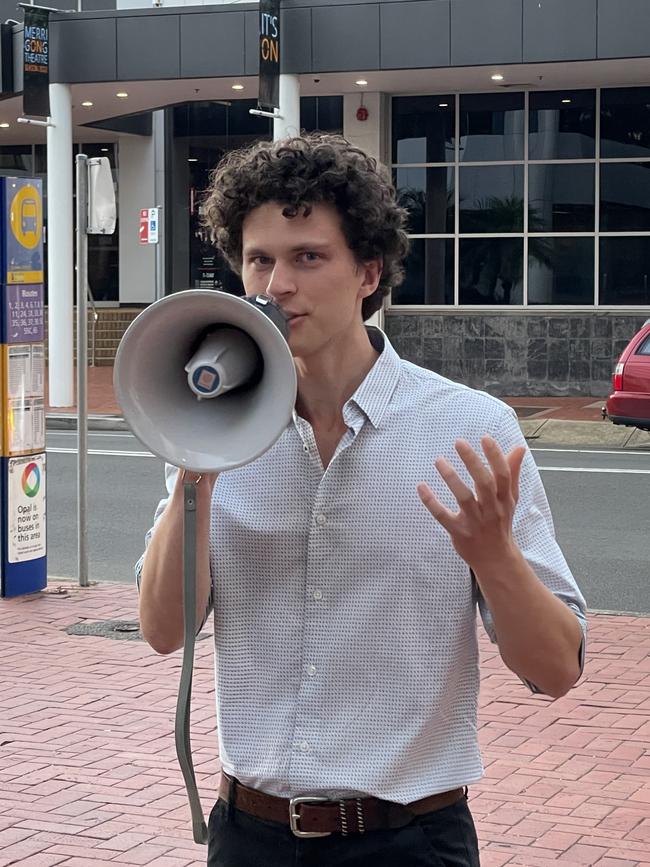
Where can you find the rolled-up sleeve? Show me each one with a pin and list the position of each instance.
(170, 480)
(171, 473)
(534, 533)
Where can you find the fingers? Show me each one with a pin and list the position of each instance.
(483, 478)
(499, 465)
(439, 512)
(515, 460)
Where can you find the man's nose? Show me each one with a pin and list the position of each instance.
(280, 283)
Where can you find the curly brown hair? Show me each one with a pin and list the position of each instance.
(302, 171)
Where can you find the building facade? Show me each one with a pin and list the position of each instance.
(517, 131)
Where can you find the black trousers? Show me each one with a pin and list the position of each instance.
(445, 838)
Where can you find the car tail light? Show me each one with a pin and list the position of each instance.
(617, 379)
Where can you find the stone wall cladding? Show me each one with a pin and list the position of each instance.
(517, 354)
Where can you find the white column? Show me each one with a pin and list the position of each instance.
(60, 238)
(137, 189)
(372, 136)
(289, 123)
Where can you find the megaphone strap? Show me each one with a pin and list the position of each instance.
(183, 706)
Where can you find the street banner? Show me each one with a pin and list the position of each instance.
(36, 62)
(269, 76)
(22, 247)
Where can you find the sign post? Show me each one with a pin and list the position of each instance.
(95, 215)
(23, 554)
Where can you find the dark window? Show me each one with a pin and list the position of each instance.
(560, 270)
(625, 122)
(561, 198)
(644, 349)
(16, 158)
(423, 129)
(491, 270)
(625, 197)
(492, 127)
(562, 125)
(491, 199)
(625, 271)
(323, 113)
(429, 277)
(428, 196)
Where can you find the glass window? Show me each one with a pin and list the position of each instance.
(644, 349)
(625, 122)
(491, 199)
(15, 158)
(429, 277)
(491, 270)
(562, 125)
(423, 129)
(625, 270)
(492, 127)
(560, 270)
(625, 197)
(428, 196)
(561, 198)
(323, 113)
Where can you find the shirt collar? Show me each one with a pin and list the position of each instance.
(374, 394)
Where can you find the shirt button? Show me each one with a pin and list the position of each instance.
(318, 594)
(305, 448)
(304, 747)
(320, 520)
(311, 670)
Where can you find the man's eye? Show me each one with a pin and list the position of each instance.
(310, 256)
(260, 260)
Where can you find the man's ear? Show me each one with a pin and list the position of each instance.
(371, 272)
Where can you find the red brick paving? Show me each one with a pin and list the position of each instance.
(88, 771)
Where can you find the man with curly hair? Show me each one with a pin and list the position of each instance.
(346, 565)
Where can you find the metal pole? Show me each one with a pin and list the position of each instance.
(287, 124)
(60, 247)
(82, 368)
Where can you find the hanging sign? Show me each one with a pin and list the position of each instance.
(36, 62)
(269, 78)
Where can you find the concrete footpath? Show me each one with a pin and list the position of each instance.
(88, 772)
(553, 421)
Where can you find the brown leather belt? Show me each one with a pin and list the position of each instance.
(311, 816)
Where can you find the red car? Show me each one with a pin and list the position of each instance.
(629, 403)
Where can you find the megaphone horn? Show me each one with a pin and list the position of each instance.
(206, 380)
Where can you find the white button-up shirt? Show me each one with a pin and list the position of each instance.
(345, 622)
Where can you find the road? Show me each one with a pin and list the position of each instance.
(599, 500)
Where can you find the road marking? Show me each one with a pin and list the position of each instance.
(106, 452)
(594, 451)
(91, 433)
(591, 470)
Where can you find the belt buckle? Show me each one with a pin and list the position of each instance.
(294, 816)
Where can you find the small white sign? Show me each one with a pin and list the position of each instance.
(153, 225)
(26, 508)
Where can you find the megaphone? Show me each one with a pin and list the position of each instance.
(206, 380)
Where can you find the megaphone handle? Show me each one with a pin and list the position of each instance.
(183, 706)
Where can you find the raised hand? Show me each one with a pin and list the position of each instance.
(481, 531)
